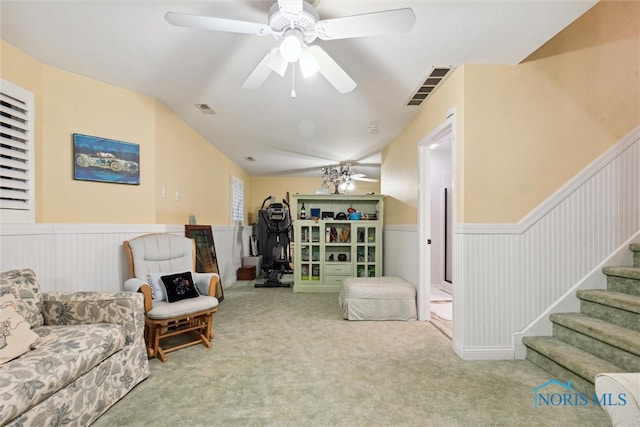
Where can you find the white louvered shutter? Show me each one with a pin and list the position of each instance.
(16, 154)
(237, 200)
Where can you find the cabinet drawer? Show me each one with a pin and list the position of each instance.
(339, 269)
(334, 280)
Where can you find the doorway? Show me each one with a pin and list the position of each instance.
(436, 213)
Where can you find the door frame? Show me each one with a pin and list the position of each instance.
(446, 129)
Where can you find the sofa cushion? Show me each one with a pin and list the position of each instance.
(64, 354)
(16, 336)
(25, 287)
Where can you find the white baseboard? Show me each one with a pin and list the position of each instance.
(484, 353)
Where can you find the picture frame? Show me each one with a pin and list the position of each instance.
(206, 258)
(105, 160)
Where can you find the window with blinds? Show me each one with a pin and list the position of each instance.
(16, 154)
(237, 200)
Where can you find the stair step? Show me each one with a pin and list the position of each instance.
(623, 279)
(613, 299)
(635, 248)
(614, 343)
(613, 307)
(623, 271)
(567, 362)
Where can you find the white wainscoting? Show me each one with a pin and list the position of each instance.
(507, 275)
(89, 257)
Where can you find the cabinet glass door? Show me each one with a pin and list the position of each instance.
(309, 252)
(366, 256)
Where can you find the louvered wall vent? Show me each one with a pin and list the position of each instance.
(437, 75)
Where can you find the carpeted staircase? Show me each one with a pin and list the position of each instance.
(603, 337)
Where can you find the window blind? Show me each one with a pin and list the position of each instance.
(237, 200)
(16, 151)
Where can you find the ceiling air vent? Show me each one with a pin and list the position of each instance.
(205, 109)
(433, 80)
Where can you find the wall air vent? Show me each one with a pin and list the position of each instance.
(433, 80)
(205, 109)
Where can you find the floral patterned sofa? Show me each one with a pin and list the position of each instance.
(87, 352)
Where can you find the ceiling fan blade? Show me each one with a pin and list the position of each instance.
(216, 24)
(361, 177)
(261, 72)
(332, 71)
(368, 24)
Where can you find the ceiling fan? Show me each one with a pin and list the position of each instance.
(296, 24)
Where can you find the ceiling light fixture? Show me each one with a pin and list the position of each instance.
(291, 46)
(338, 176)
(308, 64)
(278, 64)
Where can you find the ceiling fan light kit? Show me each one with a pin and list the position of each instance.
(277, 63)
(308, 64)
(296, 24)
(291, 46)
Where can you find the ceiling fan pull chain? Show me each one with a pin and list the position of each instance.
(293, 81)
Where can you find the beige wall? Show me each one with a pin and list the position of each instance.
(527, 129)
(400, 159)
(188, 164)
(172, 155)
(74, 104)
(262, 187)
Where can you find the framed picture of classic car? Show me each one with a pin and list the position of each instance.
(105, 160)
(206, 258)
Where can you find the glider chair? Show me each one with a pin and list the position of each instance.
(177, 301)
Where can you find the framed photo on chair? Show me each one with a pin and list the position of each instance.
(206, 258)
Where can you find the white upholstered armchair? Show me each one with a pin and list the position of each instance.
(177, 299)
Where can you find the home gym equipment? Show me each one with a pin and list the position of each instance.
(273, 234)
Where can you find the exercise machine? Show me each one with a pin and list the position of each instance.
(273, 233)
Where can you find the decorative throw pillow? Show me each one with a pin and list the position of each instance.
(179, 286)
(24, 286)
(16, 336)
(157, 288)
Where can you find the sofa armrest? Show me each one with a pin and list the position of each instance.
(137, 285)
(76, 308)
(206, 283)
(133, 284)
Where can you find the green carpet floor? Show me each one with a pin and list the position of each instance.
(286, 359)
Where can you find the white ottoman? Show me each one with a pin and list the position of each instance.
(377, 298)
(627, 386)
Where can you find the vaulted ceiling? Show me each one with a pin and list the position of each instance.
(130, 44)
